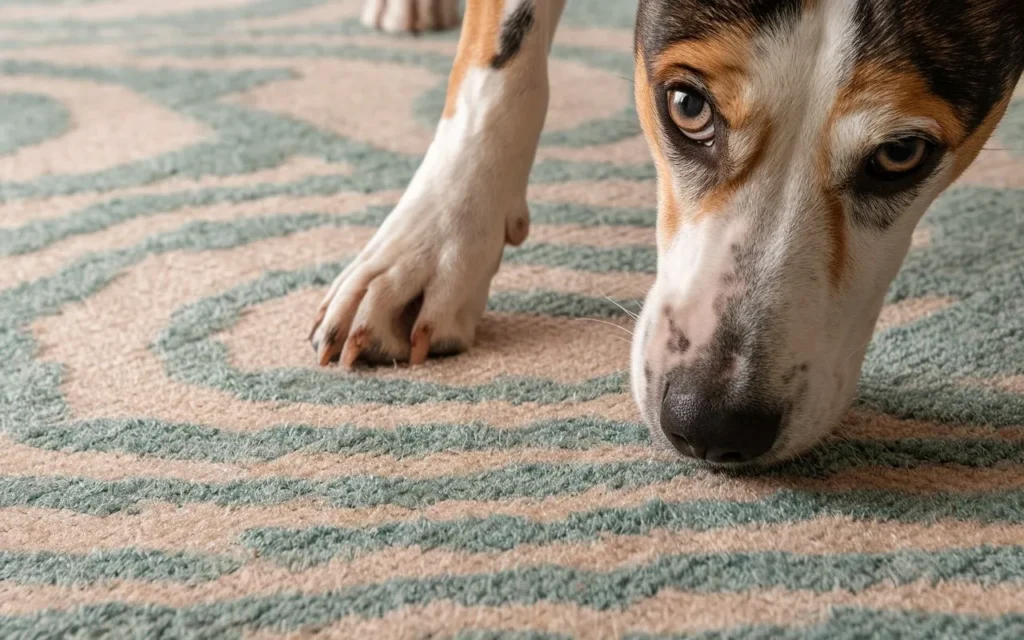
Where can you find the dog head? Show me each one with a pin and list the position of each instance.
(797, 145)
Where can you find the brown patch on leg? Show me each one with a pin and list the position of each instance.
(378, 20)
(437, 14)
(477, 45)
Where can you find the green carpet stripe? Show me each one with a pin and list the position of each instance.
(141, 436)
(301, 548)
(121, 564)
(28, 119)
(234, 150)
(846, 623)
(29, 390)
(919, 370)
(590, 216)
(192, 355)
(561, 305)
(515, 481)
(40, 234)
(201, 19)
(639, 259)
(709, 573)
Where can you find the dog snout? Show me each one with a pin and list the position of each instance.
(701, 426)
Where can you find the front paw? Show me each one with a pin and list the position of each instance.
(418, 288)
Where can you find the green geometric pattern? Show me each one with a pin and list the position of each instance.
(154, 481)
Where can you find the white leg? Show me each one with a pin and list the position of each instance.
(421, 284)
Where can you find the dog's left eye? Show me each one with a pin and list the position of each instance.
(691, 112)
(898, 158)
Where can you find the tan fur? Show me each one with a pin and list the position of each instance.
(902, 89)
(478, 45)
(722, 63)
(668, 211)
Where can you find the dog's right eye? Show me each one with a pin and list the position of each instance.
(691, 112)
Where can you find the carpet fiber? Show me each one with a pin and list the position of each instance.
(179, 182)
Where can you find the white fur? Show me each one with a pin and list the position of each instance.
(467, 199)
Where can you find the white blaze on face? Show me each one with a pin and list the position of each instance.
(695, 277)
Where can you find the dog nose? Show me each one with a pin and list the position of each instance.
(698, 427)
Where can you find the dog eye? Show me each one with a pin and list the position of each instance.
(692, 113)
(898, 158)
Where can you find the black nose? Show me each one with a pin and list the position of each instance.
(698, 427)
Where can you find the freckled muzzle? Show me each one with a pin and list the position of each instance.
(718, 401)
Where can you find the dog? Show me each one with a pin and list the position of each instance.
(797, 144)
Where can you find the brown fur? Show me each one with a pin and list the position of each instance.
(478, 44)
(668, 211)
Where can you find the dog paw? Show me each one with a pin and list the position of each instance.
(420, 285)
(410, 16)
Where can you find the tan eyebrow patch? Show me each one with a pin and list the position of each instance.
(900, 89)
(478, 45)
(668, 210)
(722, 62)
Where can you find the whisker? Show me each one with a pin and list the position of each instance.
(624, 309)
(610, 324)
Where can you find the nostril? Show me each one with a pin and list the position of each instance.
(700, 427)
(727, 457)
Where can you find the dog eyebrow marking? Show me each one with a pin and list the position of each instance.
(484, 28)
(901, 89)
(722, 61)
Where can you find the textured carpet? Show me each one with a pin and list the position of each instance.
(178, 183)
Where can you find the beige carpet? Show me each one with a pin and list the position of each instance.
(178, 183)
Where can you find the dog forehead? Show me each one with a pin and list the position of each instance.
(966, 53)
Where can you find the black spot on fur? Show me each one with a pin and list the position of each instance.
(677, 342)
(513, 31)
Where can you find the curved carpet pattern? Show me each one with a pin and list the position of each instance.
(180, 181)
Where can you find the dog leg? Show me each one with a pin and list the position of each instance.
(399, 16)
(421, 284)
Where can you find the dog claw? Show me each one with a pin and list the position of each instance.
(330, 350)
(420, 342)
(353, 347)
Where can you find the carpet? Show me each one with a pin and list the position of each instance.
(179, 182)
